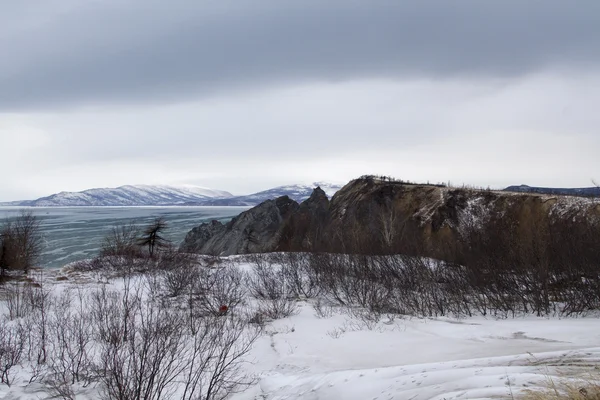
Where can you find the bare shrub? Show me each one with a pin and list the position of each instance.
(215, 288)
(179, 280)
(299, 274)
(217, 356)
(152, 350)
(277, 308)
(71, 341)
(37, 321)
(141, 346)
(268, 284)
(18, 299)
(121, 241)
(12, 346)
(323, 310)
(353, 280)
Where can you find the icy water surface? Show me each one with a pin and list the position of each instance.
(76, 233)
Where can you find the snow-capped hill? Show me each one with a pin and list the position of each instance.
(165, 195)
(129, 195)
(297, 193)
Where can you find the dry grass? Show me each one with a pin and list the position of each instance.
(587, 388)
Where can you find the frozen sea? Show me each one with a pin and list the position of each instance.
(76, 233)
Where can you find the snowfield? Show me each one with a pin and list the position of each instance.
(328, 352)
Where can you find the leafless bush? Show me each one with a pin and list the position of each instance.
(18, 299)
(352, 280)
(12, 346)
(277, 308)
(323, 310)
(71, 341)
(179, 280)
(113, 314)
(393, 284)
(267, 281)
(175, 272)
(299, 275)
(147, 362)
(152, 350)
(37, 322)
(59, 389)
(121, 241)
(216, 358)
(217, 288)
(268, 284)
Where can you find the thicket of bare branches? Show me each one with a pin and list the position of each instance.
(272, 287)
(510, 265)
(129, 343)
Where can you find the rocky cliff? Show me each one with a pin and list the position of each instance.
(371, 215)
(254, 231)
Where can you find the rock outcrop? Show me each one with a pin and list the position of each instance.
(253, 231)
(302, 231)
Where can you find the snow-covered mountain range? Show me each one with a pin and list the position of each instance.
(298, 193)
(163, 195)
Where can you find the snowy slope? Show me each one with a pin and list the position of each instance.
(305, 357)
(130, 195)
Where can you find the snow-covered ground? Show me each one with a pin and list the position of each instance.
(337, 354)
(306, 357)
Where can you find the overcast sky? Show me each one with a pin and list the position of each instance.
(244, 95)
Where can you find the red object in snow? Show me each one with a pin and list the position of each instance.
(223, 309)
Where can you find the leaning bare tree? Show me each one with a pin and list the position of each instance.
(152, 236)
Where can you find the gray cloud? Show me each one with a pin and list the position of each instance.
(539, 130)
(73, 53)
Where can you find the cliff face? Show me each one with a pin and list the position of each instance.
(375, 216)
(253, 231)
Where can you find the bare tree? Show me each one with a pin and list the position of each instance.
(20, 242)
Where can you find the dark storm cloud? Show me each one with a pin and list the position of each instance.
(66, 53)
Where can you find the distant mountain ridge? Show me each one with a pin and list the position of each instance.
(584, 192)
(164, 195)
(298, 193)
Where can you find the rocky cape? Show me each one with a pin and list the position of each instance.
(371, 215)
